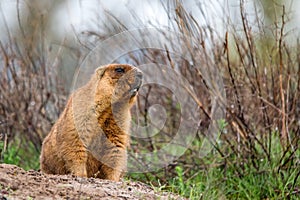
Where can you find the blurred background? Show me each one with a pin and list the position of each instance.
(254, 44)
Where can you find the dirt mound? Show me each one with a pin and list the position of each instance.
(16, 183)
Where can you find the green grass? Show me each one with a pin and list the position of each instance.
(234, 179)
(215, 183)
(20, 154)
(212, 178)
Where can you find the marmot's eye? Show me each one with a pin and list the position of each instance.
(120, 70)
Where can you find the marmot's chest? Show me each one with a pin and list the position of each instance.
(115, 128)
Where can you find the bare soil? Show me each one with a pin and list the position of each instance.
(16, 183)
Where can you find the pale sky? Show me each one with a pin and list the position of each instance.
(84, 14)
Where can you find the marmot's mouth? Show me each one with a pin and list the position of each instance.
(138, 82)
(134, 91)
(130, 93)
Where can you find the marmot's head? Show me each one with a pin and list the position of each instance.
(118, 83)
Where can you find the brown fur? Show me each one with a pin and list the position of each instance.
(91, 136)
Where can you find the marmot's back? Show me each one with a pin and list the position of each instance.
(91, 135)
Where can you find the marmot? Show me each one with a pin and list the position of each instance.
(91, 135)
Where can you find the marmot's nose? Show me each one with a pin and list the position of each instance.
(139, 75)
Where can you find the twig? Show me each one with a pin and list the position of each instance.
(284, 136)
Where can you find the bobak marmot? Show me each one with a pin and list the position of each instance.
(91, 135)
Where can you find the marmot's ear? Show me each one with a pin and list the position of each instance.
(100, 71)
